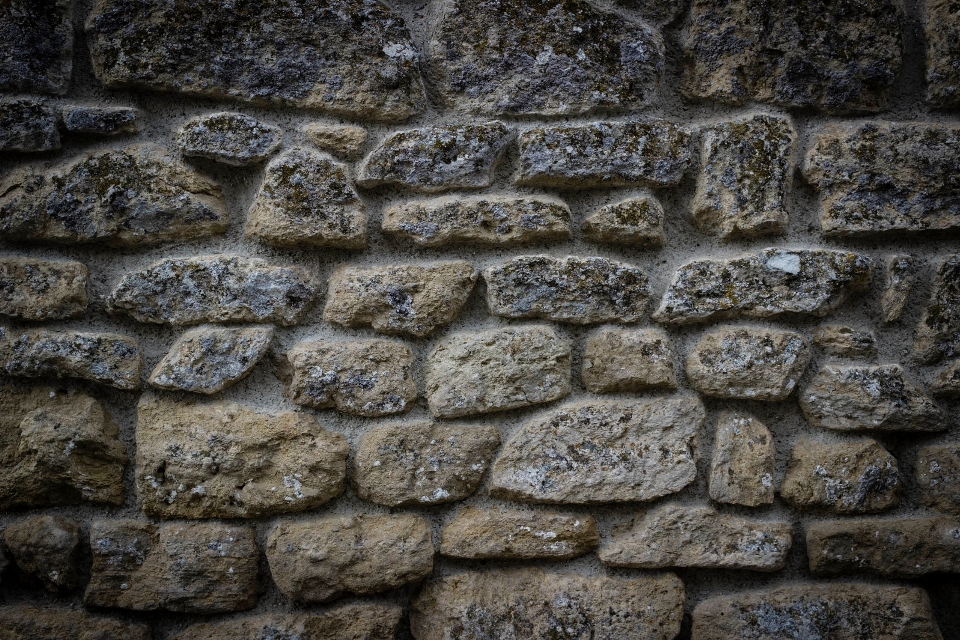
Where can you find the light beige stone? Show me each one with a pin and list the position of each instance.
(845, 342)
(511, 534)
(344, 141)
(636, 222)
(628, 360)
(32, 289)
(744, 454)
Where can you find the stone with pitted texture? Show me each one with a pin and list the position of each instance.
(209, 359)
(360, 621)
(845, 342)
(46, 548)
(230, 138)
(938, 333)
(946, 382)
(938, 477)
(942, 31)
(100, 121)
(343, 141)
(38, 46)
(512, 534)
(744, 456)
(32, 289)
(27, 622)
(27, 125)
(637, 222)
(901, 276)
(628, 360)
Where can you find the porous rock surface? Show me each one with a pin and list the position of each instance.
(938, 477)
(635, 222)
(21, 622)
(32, 289)
(100, 121)
(39, 46)
(27, 125)
(744, 455)
(514, 534)
(938, 332)
(360, 621)
(47, 548)
(618, 359)
(230, 138)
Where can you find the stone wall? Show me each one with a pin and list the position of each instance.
(479, 319)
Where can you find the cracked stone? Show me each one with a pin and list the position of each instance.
(38, 46)
(512, 534)
(32, 289)
(26, 125)
(744, 458)
(230, 138)
(636, 222)
(47, 548)
(628, 360)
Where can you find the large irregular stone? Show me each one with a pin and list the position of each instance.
(938, 333)
(511, 534)
(858, 476)
(437, 158)
(479, 220)
(845, 342)
(344, 141)
(821, 611)
(231, 138)
(216, 288)
(942, 31)
(27, 125)
(32, 289)
(596, 452)
(885, 177)
(189, 567)
(568, 58)
(26, 622)
(771, 283)
(636, 222)
(511, 604)
(412, 299)
(322, 559)
(211, 358)
(422, 463)
(572, 289)
(496, 370)
(746, 171)
(38, 46)
(882, 397)
(306, 199)
(224, 460)
(343, 57)
(938, 477)
(744, 455)
(79, 202)
(901, 276)
(100, 121)
(628, 360)
(366, 621)
(46, 548)
(748, 363)
(836, 57)
(604, 154)
(675, 536)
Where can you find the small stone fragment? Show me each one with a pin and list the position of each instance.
(744, 455)
(27, 125)
(768, 284)
(224, 460)
(412, 299)
(209, 359)
(47, 548)
(192, 567)
(942, 31)
(38, 46)
(344, 141)
(435, 159)
(628, 360)
(78, 202)
(422, 463)
(323, 559)
(857, 476)
(882, 397)
(604, 154)
(901, 276)
(572, 289)
(100, 121)
(32, 289)
(217, 288)
(26, 622)
(637, 222)
(496, 370)
(597, 452)
(367, 621)
(947, 381)
(511, 534)
(845, 342)
(938, 477)
(231, 138)
(479, 221)
(938, 333)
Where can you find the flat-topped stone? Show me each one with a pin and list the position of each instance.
(233, 139)
(619, 359)
(744, 459)
(33, 289)
(92, 120)
(635, 222)
(513, 534)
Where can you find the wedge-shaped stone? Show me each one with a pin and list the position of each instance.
(744, 455)
(882, 397)
(231, 138)
(637, 222)
(528, 603)
(845, 342)
(628, 360)
(572, 289)
(343, 57)
(46, 548)
(176, 566)
(79, 202)
(604, 154)
(771, 283)
(27, 622)
(27, 125)
(100, 121)
(343, 141)
(901, 276)
(422, 463)
(367, 621)
(224, 460)
(496, 370)
(306, 199)
(942, 31)
(511, 534)
(32, 289)
(946, 381)
(938, 333)
(38, 52)
(217, 288)
(211, 358)
(322, 559)
(596, 452)
(938, 477)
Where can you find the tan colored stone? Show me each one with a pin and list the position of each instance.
(938, 477)
(938, 333)
(636, 222)
(27, 622)
(744, 455)
(344, 141)
(946, 381)
(511, 534)
(47, 548)
(901, 276)
(32, 289)
(209, 359)
(845, 342)
(628, 360)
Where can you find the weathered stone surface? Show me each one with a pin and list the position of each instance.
(27, 125)
(32, 289)
(47, 548)
(322, 559)
(836, 57)
(869, 397)
(422, 463)
(636, 222)
(596, 452)
(479, 220)
(947, 381)
(746, 171)
(938, 477)
(216, 288)
(845, 342)
(495, 370)
(79, 202)
(38, 52)
(224, 460)
(100, 121)
(26, 622)
(211, 358)
(604, 154)
(857, 476)
(511, 534)
(771, 283)
(570, 58)
(628, 360)
(806, 611)
(527, 603)
(344, 141)
(942, 31)
(231, 138)
(190, 567)
(901, 276)
(904, 547)
(438, 158)
(343, 57)
(744, 455)
(107, 358)
(412, 299)
(658, 12)
(885, 177)
(572, 289)
(938, 333)
(367, 621)
(748, 363)
(675, 536)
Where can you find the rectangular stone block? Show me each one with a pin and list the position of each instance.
(32, 289)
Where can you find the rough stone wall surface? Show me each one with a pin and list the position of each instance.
(479, 319)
